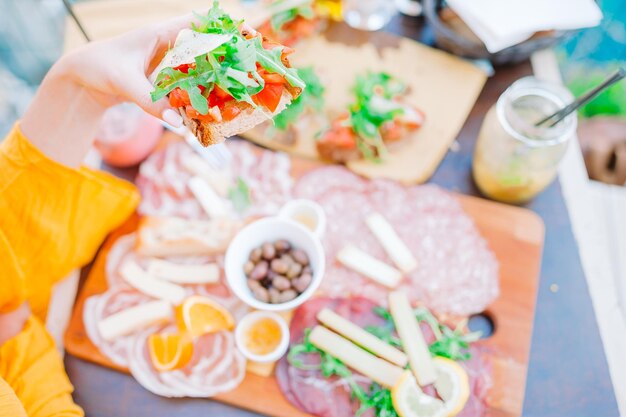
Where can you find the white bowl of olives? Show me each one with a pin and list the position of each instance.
(274, 264)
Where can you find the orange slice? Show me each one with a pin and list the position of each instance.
(199, 315)
(169, 351)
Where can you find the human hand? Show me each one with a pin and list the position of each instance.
(64, 115)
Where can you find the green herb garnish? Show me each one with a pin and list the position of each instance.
(311, 98)
(278, 20)
(449, 343)
(231, 66)
(373, 107)
(239, 195)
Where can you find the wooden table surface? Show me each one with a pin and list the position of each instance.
(568, 373)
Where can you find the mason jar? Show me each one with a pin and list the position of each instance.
(514, 160)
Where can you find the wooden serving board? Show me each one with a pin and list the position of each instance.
(514, 234)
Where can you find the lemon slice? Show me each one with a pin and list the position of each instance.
(409, 400)
(452, 385)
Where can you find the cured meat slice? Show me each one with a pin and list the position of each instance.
(99, 307)
(307, 389)
(480, 382)
(316, 183)
(163, 179)
(267, 174)
(216, 366)
(457, 273)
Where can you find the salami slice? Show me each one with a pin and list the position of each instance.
(307, 389)
(480, 381)
(457, 272)
(216, 366)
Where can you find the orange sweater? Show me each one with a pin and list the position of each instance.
(52, 220)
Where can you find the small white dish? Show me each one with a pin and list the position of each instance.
(244, 325)
(269, 230)
(306, 212)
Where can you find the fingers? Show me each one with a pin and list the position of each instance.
(138, 90)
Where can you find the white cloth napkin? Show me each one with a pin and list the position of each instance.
(503, 23)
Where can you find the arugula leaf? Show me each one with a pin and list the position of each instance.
(380, 400)
(270, 59)
(385, 334)
(310, 98)
(383, 313)
(239, 194)
(278, 20)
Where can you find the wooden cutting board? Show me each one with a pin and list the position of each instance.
(514, 234)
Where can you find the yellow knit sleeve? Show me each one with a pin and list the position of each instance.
(10, 405)
(32, 368)
(52, 220)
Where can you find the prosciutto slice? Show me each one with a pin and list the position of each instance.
(163, 179)
(99, 307)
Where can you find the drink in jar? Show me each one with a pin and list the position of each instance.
(514, 160)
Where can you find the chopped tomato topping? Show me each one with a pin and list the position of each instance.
(414, 124)
(302, 27)
(270, 96)
(184, 67)
(339, 135)
(194, 114)
(272, 78)
(220, 93)
(343, 138)
(392, 131)
(230, 112)
(179, 98)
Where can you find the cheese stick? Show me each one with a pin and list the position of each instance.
(133, 319)
(391, 242)
(218, 180)
(147, 284)
(211, 203)
(413, 342)
(359, 359)
(367, 265)
(184, 274)
(361, 337)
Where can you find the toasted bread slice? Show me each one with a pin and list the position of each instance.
(210, 133)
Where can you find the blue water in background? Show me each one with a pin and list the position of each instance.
(604, 43)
